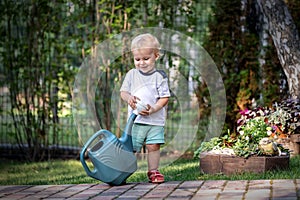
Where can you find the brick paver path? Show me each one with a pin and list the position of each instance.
(215, 189)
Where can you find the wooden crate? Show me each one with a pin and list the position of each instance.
(214, 164)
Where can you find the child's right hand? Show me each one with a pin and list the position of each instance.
(132, 100)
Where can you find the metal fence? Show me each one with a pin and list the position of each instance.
(181, 132)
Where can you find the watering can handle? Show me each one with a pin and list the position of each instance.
(85, 147)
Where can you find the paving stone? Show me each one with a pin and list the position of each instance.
(232, 195)
(259, 184)
(218, 184)
(177, 190)
(204, 196)
(100, 186)
(145, 185)
(85, 194)
(284, 193)
(282, 184)
(103, 197)
(285, 198)
(162, 190)
(133, 194)
(191, 184)
(284, 189)
(181, 193)
(258, 194)
(203, 193)
(14, 196)
(235, 185)
(12, 189)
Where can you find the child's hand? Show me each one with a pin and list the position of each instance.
(132, 101)
(146, 112)
(150, 110)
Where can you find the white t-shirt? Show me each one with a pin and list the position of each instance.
(149, 88)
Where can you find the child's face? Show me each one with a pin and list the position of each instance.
(144, 59)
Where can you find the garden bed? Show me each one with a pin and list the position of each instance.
(226, 164)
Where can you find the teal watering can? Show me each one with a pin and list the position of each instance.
(112, 158)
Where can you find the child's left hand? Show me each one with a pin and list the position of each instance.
(150, 110)
(146, 112)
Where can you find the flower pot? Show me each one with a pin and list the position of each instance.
(225, 164)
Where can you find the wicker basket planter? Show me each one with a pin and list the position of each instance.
(225, 164)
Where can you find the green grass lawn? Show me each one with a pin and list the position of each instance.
(72, 172)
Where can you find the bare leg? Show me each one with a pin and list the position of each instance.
(153, 156)
(154, 175)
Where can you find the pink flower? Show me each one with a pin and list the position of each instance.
(244, 112)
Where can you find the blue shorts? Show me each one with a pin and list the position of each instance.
(149, 134)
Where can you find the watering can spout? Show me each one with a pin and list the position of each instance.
(126, 137)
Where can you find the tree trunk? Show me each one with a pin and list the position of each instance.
(286, 40)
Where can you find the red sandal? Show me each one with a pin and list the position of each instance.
(155, 176)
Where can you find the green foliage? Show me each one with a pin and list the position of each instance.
(274, 88)
(37, 71)
(253, 126)
(214, 143)
(235, 44)
(44, 43)
(250, 134)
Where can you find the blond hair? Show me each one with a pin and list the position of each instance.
(145, 41)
